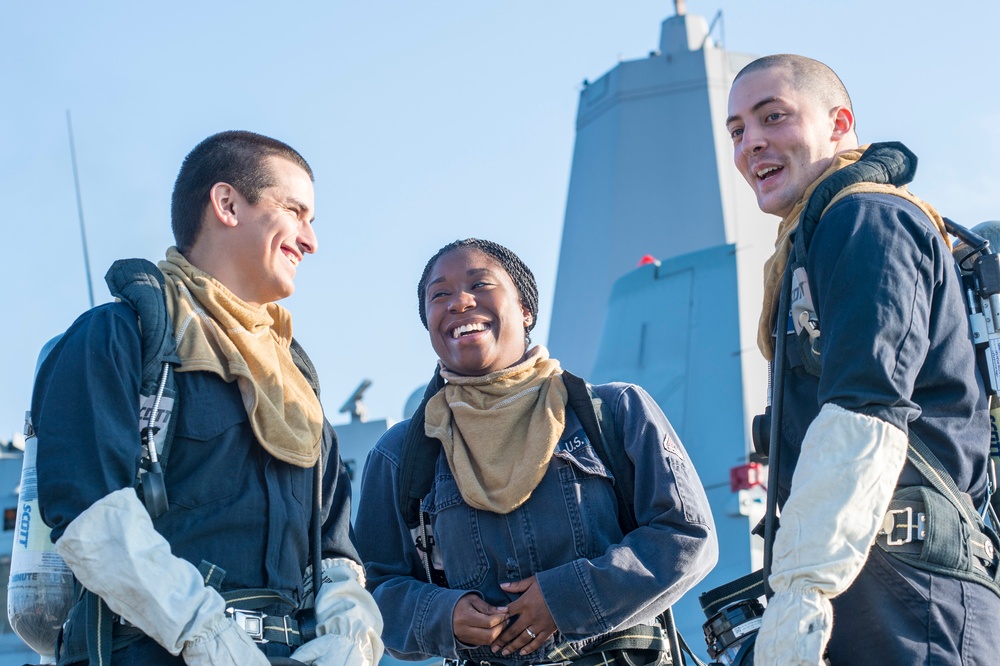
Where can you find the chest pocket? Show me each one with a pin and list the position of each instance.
(457, 534)
(211, 452)
(587, 495)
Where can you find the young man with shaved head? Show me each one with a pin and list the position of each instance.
(216, 574)
(875, 348)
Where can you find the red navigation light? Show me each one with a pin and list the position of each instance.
(648, 259)
(745, 477)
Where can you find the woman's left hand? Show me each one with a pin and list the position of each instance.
(534, 623)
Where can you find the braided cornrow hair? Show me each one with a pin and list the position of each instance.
(519, 274)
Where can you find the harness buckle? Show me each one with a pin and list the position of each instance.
(810, 324)
(914, 531)
(252, 622)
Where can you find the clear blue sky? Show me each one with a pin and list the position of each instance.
(424, 122)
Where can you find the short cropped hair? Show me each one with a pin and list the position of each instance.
(808, 75)
(520, 274)
(236, 157)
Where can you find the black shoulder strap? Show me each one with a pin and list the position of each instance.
(308, 370)
(140, 284)
(419, 456)
(305, 365)
(889, 163)
(599, 424)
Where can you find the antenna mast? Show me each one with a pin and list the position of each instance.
(79, 208)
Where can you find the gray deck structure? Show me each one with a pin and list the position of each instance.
(653, 174)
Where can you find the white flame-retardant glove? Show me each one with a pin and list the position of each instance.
(348, 623)
(115, 552)
(841, 488)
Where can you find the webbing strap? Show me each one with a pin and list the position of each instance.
(212, 574)
(140, 283)
(639, 637)
(931, 469)
(100, 624)
(599, 424)
(889, 163)
(255, 598)
(282, 630)
(750, 586)
(609, 657)
(965, 548)
(420, 454)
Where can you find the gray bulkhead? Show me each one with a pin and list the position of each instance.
(653, 173)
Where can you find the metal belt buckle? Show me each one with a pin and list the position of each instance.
(252, 622)
(914, 531)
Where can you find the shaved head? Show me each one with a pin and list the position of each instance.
(808, 76)
(789, 117)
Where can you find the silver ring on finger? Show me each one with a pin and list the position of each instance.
(528, 631)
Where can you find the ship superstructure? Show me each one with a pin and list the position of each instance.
(653, 175)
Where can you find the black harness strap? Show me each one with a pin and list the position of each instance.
(750, 586)
(888, 163)
(601, 427)
(308, 370)
(594, 414)
(942, 532)
(100, 625)
(140, 284)
(640, 637)
(420, 454)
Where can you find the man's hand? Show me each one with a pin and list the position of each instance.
(795, 629)
(475, 622)
(348, 623)
(828, 524)
(534, 622)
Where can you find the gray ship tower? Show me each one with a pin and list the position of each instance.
(653, 175)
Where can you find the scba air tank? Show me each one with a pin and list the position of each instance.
(40, 593)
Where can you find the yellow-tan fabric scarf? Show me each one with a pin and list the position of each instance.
(498, 431)
(774, 268)
(218, 332)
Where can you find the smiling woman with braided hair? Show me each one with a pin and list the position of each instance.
(527, 561)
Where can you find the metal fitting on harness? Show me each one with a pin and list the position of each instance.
(447, 661)
(915, 531)
(252, 622)
(810, 324)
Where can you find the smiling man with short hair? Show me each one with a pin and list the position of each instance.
(218, 577)
(876, 347)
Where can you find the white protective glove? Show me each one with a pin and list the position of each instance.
(116, 553)
(348, 623)
(843, 481)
